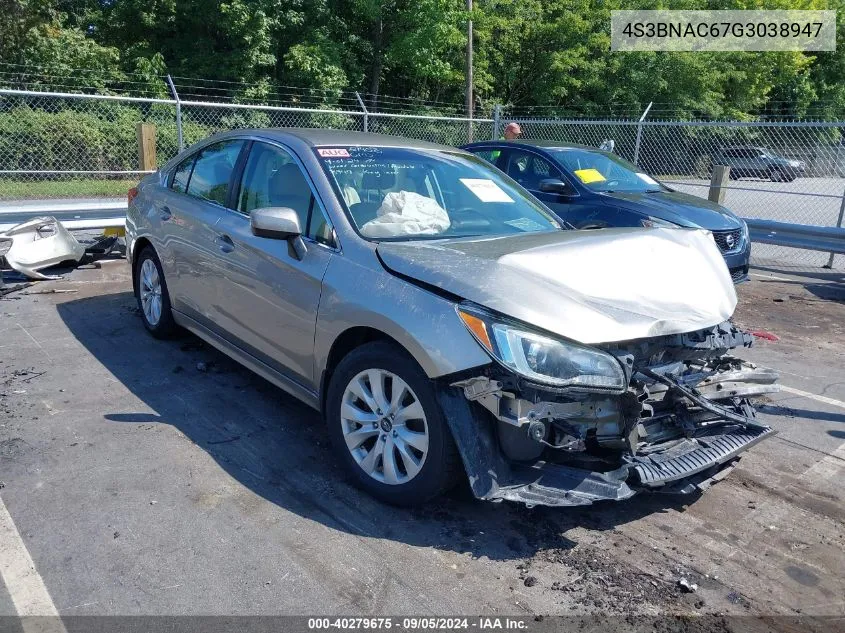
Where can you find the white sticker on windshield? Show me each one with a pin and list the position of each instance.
(525, 224)
(333, 152)
(486, 190)
(647, 179)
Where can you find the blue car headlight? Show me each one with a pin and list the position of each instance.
(650, 222)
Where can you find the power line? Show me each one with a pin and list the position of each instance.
(82, 70)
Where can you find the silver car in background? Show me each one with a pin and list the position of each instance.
(443, 323)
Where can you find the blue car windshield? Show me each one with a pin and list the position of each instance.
(402, 194)
(603, 171)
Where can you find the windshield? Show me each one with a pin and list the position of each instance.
(603, 171)
(405, 194)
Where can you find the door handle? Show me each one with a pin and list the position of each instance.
(165, 214)
(224, 243)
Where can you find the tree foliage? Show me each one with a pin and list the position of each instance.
(552, 54)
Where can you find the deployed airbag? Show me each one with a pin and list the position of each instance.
(407, 213)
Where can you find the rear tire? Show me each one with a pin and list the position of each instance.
(776, 175)
(153, 298)
(387, 426)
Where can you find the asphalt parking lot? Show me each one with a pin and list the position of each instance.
(159, 477)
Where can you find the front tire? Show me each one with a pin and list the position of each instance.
(388, 428)
(153, 298)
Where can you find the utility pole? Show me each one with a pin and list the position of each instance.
(469, 73)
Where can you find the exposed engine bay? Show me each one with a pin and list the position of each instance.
(682, 421)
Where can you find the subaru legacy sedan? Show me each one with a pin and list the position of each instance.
(441, 322)
(592, 188)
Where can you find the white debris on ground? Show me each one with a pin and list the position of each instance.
(41, 243)
(38, 244)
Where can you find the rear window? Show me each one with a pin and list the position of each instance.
(212, 171)
(182, 175)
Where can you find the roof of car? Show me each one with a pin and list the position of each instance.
(534, 143)
(339, 138)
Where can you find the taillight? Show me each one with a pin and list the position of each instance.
(131, 194)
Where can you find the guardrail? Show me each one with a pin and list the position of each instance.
(75, 215)
(828, 239)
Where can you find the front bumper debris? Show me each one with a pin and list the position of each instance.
(681, 425)
(693, 456)
(40, 243)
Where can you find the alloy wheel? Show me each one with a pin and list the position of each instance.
(150, 292)
(384, 426)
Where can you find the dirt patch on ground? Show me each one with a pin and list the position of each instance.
(803, 309)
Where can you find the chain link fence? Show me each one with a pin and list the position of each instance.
(785, 171)
(58, 145)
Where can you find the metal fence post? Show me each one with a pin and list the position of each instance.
(366, 112)
(497, 121)
(838, 225)
(640, 133)
(178, 113)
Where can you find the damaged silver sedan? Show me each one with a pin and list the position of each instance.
(442, 321)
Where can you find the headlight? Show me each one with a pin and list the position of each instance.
(656, 223)
(543, 359)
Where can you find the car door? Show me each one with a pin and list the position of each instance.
(739, 161)
(267, 298)
(750, 163)
(756, 162)
(529, 169)
(189, 210)
(762, 162)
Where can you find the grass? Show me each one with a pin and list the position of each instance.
(75, 188)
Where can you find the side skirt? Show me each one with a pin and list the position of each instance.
(309, 397)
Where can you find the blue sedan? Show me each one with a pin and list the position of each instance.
(590, 188)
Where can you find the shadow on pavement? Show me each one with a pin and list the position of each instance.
(828, 275)
(804, 414)
(277, 447)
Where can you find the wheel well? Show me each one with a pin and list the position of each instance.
(349, 340)
(139, 246)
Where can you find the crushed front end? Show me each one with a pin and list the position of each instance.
(677, 422)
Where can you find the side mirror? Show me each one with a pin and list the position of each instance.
(553, 185)
(279, 223)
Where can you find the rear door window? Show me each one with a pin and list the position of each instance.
(183, 174)
(212, 171)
